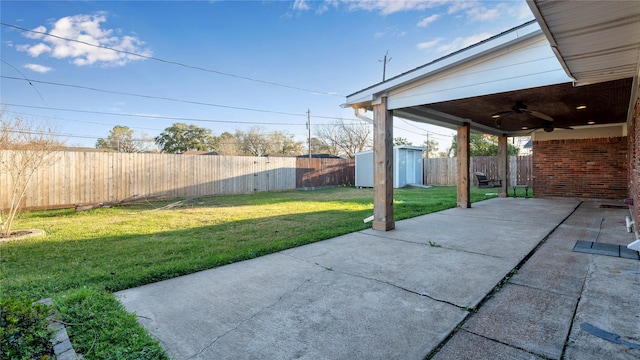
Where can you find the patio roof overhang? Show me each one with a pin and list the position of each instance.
(574, 54)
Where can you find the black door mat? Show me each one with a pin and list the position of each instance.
(591, 247)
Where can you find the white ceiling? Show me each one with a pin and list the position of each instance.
(595, 41)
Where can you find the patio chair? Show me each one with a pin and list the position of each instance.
(484, 182)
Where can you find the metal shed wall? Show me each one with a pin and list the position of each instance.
(407, 167)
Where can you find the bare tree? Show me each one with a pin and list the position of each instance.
(25, 147)
(342, 138)
(253, 142)
(319, 147)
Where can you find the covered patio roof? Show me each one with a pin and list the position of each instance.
(577, 64)
(571, 57)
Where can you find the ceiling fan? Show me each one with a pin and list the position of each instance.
(521, 108)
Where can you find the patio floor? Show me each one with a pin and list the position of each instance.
(497, 281)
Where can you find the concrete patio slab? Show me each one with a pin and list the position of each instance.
(437, 272)
(187, 312)
(541, 271)
(339, 316)
(465, 346)
(401, 294)
(565, 237)
(530, 319)
(609, 302)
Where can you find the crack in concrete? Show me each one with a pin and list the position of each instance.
(505, 280)
(381, 282)
(575, 309)
(438, 246)
(542, 356)
(252, 317)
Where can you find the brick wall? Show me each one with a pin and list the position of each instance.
(634, 164)
(581, 168)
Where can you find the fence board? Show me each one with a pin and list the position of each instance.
(92, 177)
(312, 173)
(442, 171)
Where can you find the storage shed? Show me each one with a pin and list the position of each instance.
(407, 167)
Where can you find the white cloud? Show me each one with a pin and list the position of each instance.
(429, 44)
(35, 50)
(390, 31)
(300, 5)
(386, 7)
(36, 35)
(37, 68)
(86, 30)
(326, 5)
(481, 13)
(462, 42)
(428, 20)
(476, 11)
(521, 11)
(457, 6)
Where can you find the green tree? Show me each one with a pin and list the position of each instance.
(253, 142)
(281, 142)
(181, 137)
(122, 138)
(398, 141)
(431, 148)
(483, 145)
(227, 144)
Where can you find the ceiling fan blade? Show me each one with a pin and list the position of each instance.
(501, 114)
(540, 115)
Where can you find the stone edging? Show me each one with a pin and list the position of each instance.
(28, 233)
(62, 347)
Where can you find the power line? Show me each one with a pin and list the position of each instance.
(417, 127)
(159, 117)
(168, 98)
(25, 78)
(172, 62)
(79, 121)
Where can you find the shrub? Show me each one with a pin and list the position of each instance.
(23, 329)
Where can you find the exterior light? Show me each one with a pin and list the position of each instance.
(581, 107)
(591, 122)
(496, 116)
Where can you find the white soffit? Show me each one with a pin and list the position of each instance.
(366, 97)
(528, 64)
(596, 41)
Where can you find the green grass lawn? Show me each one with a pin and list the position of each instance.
(119, 248)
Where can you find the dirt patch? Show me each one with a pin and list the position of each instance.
(21, 234)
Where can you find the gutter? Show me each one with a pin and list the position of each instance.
(547, 33)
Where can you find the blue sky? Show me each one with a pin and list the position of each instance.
(224, 65)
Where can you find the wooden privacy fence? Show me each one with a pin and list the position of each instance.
(442, 171)
(312, 173)
(93, 177)
(78, 177)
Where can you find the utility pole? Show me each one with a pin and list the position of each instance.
(384, 65)
(309, 128)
